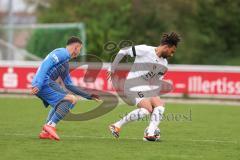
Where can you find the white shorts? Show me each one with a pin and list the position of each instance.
(135, 92)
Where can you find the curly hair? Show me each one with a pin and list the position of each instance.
(170, 39)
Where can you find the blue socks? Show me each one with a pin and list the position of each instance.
(50, 114)
(57, 114)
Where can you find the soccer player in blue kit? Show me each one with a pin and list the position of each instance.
(45, 87)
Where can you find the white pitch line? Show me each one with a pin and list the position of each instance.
(124, 138)
(166, 99)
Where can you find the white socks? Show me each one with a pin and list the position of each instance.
(139, 113)
(155, 119)
(136, 114)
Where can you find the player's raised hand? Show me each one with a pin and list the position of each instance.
(69, 97)
(34, 90)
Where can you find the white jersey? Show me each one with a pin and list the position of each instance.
(145, 73)
(147, 64)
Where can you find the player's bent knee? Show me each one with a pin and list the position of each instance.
(146, 104)
(71, 98)
(156, 101)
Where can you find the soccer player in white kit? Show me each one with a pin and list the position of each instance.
(149, 66)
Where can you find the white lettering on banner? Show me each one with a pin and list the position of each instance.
(29, 79)
(10, 79)
(196, 84)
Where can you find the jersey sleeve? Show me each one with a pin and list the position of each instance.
(132, 51)
(68, 80)
(69, 85)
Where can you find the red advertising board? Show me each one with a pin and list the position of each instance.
(194, 81)
(206, 84)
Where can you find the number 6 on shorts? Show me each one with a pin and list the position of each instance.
(140, 94)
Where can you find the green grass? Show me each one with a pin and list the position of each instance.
(212, 133)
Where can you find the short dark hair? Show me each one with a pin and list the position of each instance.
(170, 39)
(73, 40)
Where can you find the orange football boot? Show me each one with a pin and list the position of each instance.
(45, 135)
(52, 131)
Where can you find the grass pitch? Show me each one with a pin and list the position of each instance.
(209, 132)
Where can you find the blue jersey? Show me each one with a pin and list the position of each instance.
(50, 64)
(55, 65)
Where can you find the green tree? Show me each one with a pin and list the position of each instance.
(105, 20)
(209, 28)
(217, 25)
(44, 41)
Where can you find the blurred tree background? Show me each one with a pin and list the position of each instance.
(209, 29)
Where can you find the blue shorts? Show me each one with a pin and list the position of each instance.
(51, 94)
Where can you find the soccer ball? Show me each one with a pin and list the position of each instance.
(156, 134)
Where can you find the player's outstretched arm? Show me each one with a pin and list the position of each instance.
(77, 91)
(81, 93)
(74, 89)
(122, 53)
(132, 51)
